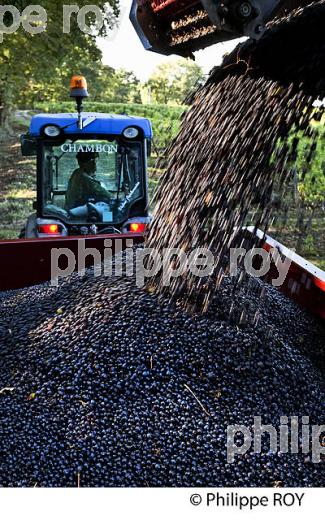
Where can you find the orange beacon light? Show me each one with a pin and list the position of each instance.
(78, 87)
(79, 91)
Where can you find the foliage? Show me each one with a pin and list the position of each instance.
(306, 159)
(309, 245)
(119, 86)
(39, 66)
(126, 87)
(173, 82)
(311, 168)
(309, 163)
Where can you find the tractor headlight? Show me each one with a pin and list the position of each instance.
(52, 130)
(131, 132)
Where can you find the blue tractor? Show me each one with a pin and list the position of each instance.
(91, 171)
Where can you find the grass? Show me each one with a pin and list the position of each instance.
(312, 245)
(14, 212)
(17, 185)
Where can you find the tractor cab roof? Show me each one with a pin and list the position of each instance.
(94, 124)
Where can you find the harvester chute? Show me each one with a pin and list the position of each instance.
(183, 27)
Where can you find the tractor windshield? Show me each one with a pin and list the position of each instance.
(91, 181)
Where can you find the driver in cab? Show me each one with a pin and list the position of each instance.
(83, 186)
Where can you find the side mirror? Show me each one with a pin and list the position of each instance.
(28, 146)
(149, 148)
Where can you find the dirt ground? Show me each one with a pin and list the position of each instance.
(17, 185)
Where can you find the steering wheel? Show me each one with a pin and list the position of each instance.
(93, 214)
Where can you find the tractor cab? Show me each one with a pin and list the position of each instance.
(91, 173)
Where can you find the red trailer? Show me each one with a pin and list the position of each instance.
(27, 262)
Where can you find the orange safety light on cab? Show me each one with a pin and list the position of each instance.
(78, 87)
(49, 229)
(137, 228)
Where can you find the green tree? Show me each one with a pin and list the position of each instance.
(173, 82)
(309, 165)
(126, 87)
(36, 67)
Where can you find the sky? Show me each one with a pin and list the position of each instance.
(124, 50)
